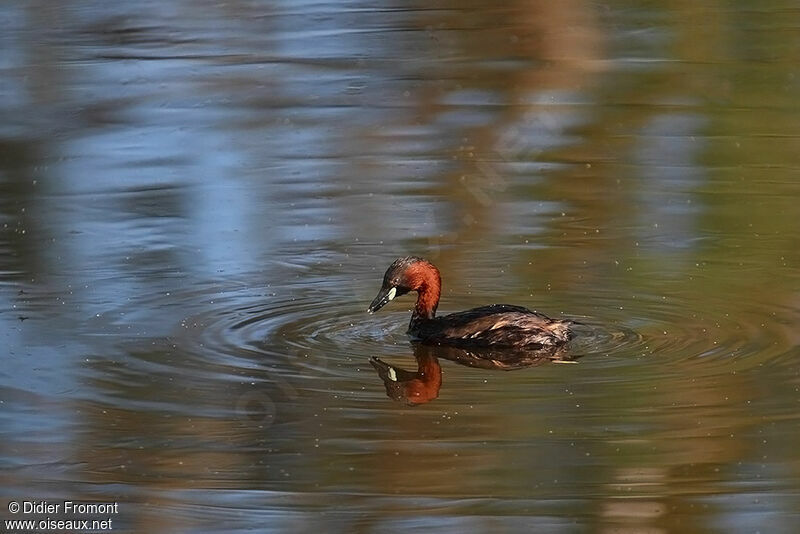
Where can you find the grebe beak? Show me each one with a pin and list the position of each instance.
(383, 298)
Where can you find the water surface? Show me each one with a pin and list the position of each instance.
(198, 201)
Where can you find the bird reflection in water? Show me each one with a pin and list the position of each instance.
(421, 386)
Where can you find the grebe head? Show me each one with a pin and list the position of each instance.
(407, 274)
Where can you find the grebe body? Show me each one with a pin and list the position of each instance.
(498, 325)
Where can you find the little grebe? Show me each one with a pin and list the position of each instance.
(498, 325)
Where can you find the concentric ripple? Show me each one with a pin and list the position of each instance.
(236, 328)
(239, 331)
(672, 330)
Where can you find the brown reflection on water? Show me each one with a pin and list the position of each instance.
(637, 166)
(545, 47)
(656, 485)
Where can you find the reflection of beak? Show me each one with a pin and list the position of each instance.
(390, 373)
(384, 296)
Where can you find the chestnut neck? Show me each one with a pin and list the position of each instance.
(428, 284)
